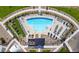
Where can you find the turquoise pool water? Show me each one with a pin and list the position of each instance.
(39, 23)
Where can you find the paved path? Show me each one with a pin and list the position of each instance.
(39, 9)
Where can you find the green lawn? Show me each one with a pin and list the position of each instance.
(16, 28)
(70, 10)
(33, 50)
(5, 10)
(64, 49)
(46, 50)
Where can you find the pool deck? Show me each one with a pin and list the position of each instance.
(28, 28)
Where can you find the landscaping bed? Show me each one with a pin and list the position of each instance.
(64, 49)
(15, 27)
(46, 50)
(33, 50)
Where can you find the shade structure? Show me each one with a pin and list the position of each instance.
(37, 42)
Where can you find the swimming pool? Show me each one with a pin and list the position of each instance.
(39, 23)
